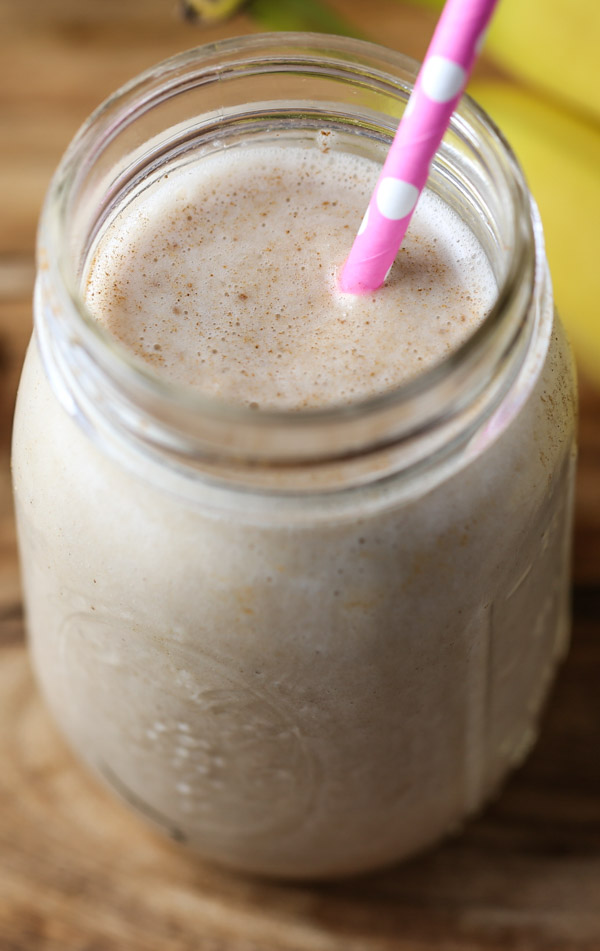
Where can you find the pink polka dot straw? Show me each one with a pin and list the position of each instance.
(457, 41)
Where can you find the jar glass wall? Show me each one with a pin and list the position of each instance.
(309, 643)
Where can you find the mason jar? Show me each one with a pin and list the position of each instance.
(303, 643)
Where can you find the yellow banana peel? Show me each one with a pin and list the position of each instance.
(560, 155)
(211, 11)
(553, 45)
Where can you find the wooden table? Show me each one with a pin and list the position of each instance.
(77, 871)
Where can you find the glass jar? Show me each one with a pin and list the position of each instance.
(310, 643)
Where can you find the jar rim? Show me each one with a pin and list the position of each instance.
(208, 63)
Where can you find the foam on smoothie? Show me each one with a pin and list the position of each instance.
(222, 276)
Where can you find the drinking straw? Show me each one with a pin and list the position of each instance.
(454, 47)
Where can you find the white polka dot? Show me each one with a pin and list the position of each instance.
(481, 40)
(442, 79)
(410, 105)
(395, 198)
(364, 222)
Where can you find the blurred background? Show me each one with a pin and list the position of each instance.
(527, 874)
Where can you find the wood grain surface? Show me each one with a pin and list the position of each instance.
(77, 871)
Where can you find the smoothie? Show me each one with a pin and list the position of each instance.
(222, 276)
(296, 682)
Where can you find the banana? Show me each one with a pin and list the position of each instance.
(553, 45)
(560, 155)
(210, 11)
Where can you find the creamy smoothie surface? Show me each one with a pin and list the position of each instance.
(222, 276)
